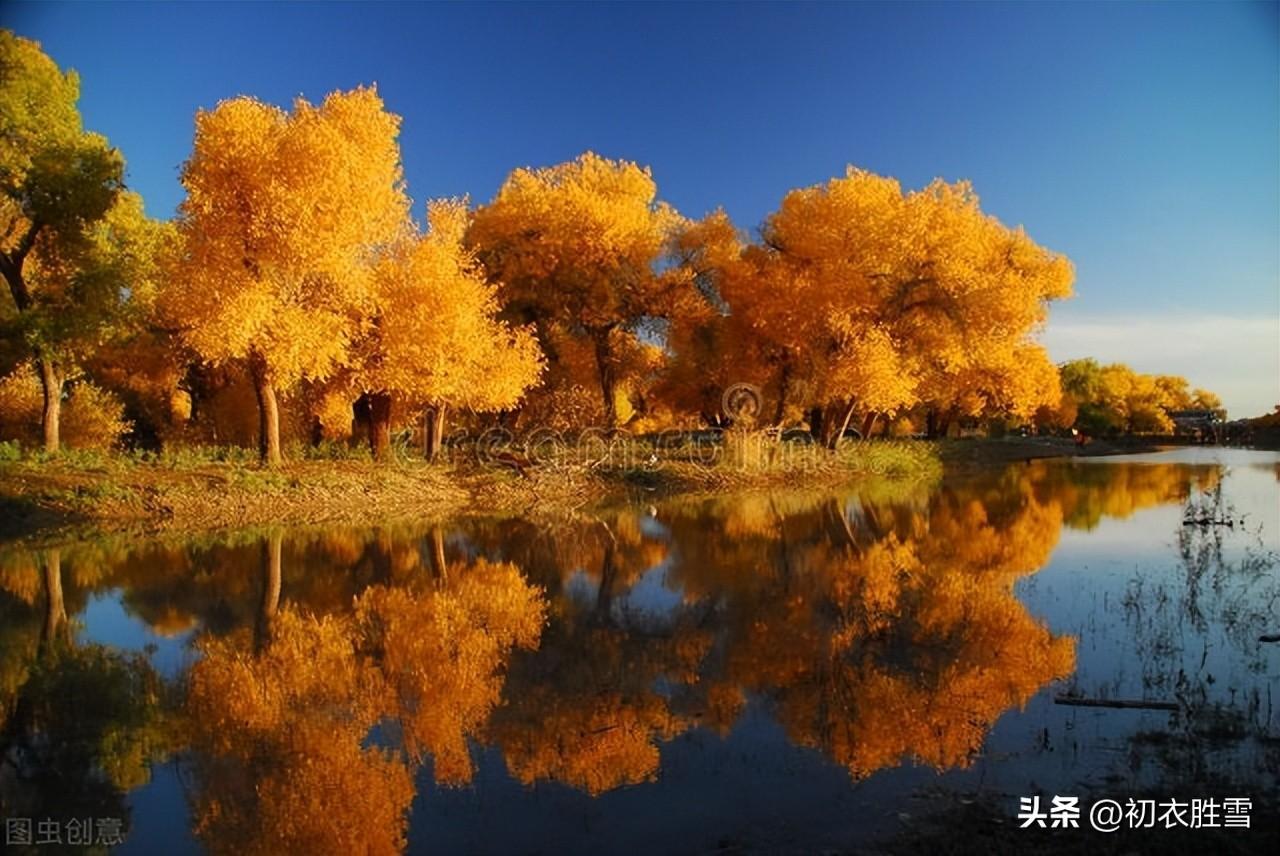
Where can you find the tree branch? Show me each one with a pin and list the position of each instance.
(11, 266)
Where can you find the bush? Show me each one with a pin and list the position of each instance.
(92, 417)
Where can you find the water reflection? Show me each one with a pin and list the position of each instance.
(330, 674)
(81, 724)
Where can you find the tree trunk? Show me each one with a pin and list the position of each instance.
(433, 432)
(510, 419)
(606, 363)
(844, 426)
(55, 611)
(944, 425)
(268, 412)
(379, 424)
(931, 424)
(869, 424)
(815, 424)
(51, 380)
(269, 604)
(831, 421)
(439, 568)
(784, 386)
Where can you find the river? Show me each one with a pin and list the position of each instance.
(788, 672)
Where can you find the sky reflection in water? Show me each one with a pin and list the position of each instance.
(774, 672)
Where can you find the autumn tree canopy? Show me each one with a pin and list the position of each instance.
(57, 183)
(576, 247)
(295, 275)
(434, 337)
(285, 220)
(1114, 398)
(861, 298)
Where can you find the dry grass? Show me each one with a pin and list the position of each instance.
(211, 489)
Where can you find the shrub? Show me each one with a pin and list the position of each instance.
(92, 417)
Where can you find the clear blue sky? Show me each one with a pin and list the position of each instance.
(1141, 140)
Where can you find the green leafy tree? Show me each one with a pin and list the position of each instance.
(57, 182)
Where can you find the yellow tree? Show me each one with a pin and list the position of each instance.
(865, 370)
(821, 254)
(435, 337)
(1173, 392)
(577, 246)
(724, 341)
(1203, 399)
(1114, 397)
(285, 218)
(858, 273)
(1136, 400)
(278, 732)
(982, 289)
(94, 294)
(1016, 380)
(56, 182)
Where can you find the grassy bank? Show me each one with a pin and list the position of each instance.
(200, 490)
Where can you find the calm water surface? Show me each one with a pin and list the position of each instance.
(785, 673)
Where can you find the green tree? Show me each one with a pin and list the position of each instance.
(57, 182)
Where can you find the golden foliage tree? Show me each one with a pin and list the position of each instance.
(278, 734)
(1114, 398)
(577, 246)
(285, 220)
(434, 336)
(92, 417)
(863, 298)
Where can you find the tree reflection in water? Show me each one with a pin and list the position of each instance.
(279, 719)
(80, 724)
(333, 666)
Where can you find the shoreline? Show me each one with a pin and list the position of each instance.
(962, 453)
(43, 501)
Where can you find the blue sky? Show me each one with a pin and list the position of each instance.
(1141, 140)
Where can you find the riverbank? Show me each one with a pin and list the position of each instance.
(84, 494)
(203, 490)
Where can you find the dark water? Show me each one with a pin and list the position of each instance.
(789, 673)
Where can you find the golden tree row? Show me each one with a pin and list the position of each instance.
(576, 296)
